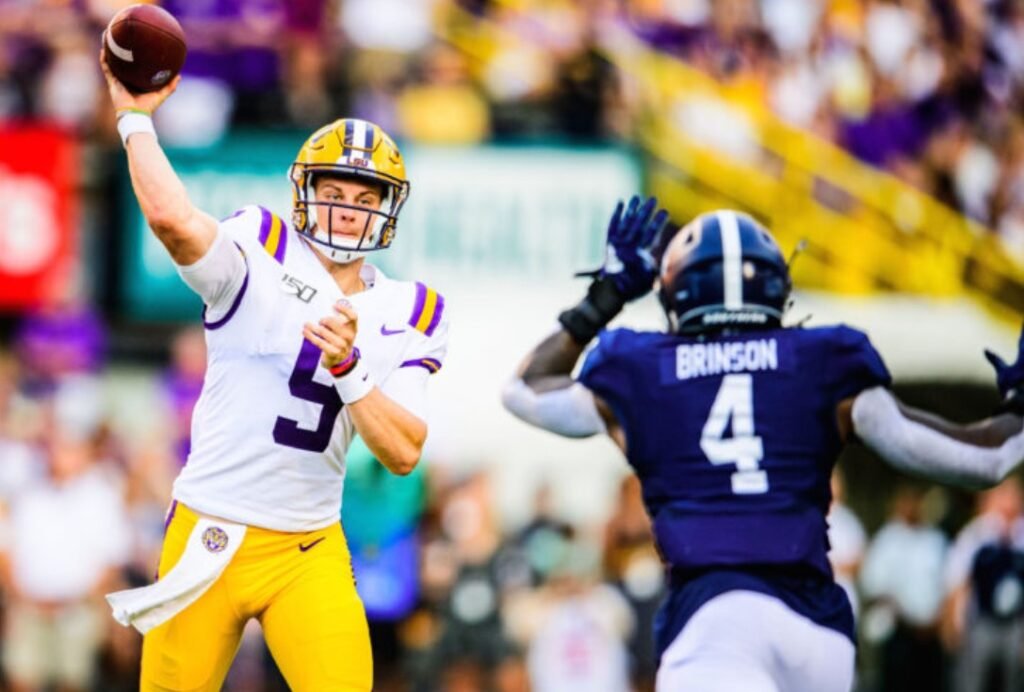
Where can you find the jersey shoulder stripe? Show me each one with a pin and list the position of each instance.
(273, 234)
(431, 365)
(427, 309)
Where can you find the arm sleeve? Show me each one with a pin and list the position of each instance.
(571, 412)
(915, 448)
(218, 275)
(408, 384)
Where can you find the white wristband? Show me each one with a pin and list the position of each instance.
(132, 122)
(355, 384)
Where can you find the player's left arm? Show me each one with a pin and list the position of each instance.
(392, 433)
(977, 454)
(989, 432)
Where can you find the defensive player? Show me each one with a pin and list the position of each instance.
(733, 424)
(308, 345)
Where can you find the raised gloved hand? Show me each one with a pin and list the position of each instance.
(1010, 378)
(633, 233)
(628, 272)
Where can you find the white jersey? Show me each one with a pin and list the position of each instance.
(269, 432)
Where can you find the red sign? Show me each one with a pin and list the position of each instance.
(39, 172)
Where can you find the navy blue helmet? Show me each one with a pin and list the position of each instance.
(723, 271)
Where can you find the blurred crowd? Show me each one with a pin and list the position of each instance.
(929, 90)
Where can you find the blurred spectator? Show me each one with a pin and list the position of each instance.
(467, 576)
(544, 540)
(307, 62)
(444, 107)
(20, 457)
(847, 540)
(66, 538)
(574, 628)
(901, 580)
(632, 565)
(69, 93)
(376, 79)
(585, 93)
(60, 340)
(397, 26)
(985, 580)
(182, 383)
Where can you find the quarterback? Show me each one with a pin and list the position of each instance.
(733, 424)
(308, 345)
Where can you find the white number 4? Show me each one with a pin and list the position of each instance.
(735, 400)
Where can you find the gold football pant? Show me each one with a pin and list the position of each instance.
(298, 585)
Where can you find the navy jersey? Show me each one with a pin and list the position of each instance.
(734, 438)
(997, 579)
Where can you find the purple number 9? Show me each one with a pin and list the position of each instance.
(302, 386)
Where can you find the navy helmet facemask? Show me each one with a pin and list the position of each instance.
(723, 271)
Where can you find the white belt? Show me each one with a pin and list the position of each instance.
(209, 549)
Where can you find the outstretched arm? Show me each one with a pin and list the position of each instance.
(543, 392)
(184, 230)
(975, 456)
(978, 454)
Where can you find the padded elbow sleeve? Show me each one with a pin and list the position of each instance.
(571, 411)
(914, 447)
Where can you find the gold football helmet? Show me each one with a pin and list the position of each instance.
(356, 150)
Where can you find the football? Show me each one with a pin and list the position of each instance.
(144, 47)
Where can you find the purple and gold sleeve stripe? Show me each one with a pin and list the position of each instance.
(426, 314)
(431, 365)
(273, 235)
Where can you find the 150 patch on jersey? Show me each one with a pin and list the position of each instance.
(296, 287)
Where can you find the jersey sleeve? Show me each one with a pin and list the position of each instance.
(601, 371)
(424, 354)
(429, 318)
(854, 364)
(220, 276)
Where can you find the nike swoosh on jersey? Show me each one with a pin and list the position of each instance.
(384, 331)
(303, 547)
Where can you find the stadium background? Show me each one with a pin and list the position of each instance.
(883, 138)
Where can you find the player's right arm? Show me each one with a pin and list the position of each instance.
(979, 454)
(543, 392)
(186, 232)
